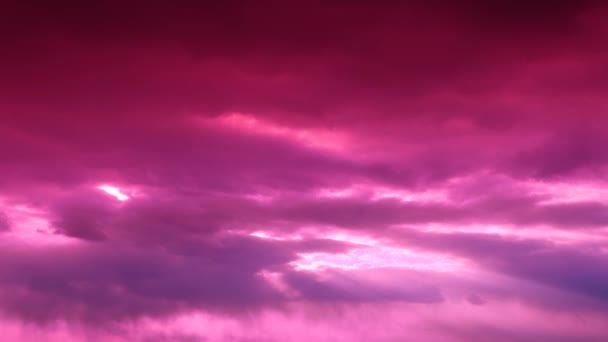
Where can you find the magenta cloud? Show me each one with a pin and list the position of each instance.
(304, 171)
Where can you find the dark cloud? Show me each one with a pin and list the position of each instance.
(577, 269)
(164, 216)
(360, 286)
(475, 100)
(111, 282)
(5, 224)
(567, 151)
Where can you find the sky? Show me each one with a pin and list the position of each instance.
(303, 171)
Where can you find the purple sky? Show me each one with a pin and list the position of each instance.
(304, 171)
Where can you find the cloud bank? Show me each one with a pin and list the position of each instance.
(326, 170)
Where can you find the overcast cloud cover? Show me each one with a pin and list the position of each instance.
(304, 171)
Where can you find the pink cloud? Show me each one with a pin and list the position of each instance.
(313, 171)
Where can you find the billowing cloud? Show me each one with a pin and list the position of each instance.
(262, 171)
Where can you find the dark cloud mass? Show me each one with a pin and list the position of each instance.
(291, 171)
(4, 222)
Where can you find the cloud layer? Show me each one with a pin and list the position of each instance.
(327, 170)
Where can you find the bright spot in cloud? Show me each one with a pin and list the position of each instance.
(378, 257)
(317, 138)
(409, 196)
(265, 235)
(337, 193)
(376, 193)
(262, 235)
(114, 191)
(561, 192)
(29, 224)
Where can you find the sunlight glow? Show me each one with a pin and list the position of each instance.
(29, 225)
(114, 191)
(273, 236)
(562, 192)
(376, 193)
(316, 138)
(379, 257)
